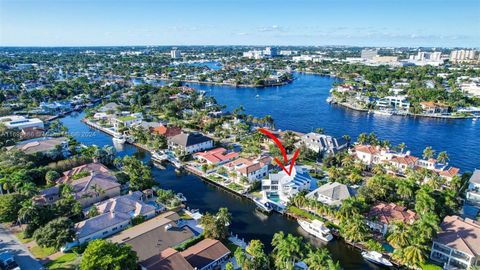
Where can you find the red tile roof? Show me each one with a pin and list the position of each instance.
(217, 155)
(205, 252)
(366, 149)
(408, 160)
(451, 172)
(389, 213)
(167, 131)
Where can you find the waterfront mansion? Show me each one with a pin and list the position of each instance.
(189, 143)
(280, 187)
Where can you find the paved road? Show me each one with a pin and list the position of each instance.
(8, 242)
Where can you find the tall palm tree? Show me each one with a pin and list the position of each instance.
(355, 228)
(399, 235)
(317, 259)
(428, 152)
(402, 147)
(443, 157)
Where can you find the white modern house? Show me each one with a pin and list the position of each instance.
(323, 144)
(280, 187)
(473, 191)
(127, 121)
(20, 122)
(189, 143)
(457, 245)
(332, 193)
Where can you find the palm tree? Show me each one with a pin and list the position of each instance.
(399, 235)
(443, 157)
(427, 226)
(223, 216)
(412, 255)
(354, 229)
(28, 189)
(428, 152)
(402, 147)
(317, 259)
(362, 138)
(286, 250)
(405, 189)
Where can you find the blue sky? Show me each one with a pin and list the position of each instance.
(240, 22)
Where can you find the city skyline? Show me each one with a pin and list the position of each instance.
(142, 23)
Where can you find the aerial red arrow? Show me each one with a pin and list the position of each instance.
(284, 153)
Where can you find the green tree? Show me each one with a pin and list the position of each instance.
(354, 228)
(443, 157)
(105, 255)
(428, 152)
(50, 177)
(286, 250)
(55, 233)
(259, 259)
(140, 174)
(10, 205)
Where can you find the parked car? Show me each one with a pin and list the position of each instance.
(7, 261)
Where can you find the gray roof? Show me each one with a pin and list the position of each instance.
(189, 139)
(475, 177)
(114, 211)
(39, 145)
(335, 191)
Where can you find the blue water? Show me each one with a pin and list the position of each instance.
(246, 221)
(302, 106)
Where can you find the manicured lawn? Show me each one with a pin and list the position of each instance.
(235, 186)
(66, 261)
(184, 215)
(429, 266)
(22, 238)
(299, 212)
(40, 252)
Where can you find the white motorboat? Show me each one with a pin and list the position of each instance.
(317, 229)
(119, 139)
(382, 112)
(376, 257)
(181, 197)
(263, 205)
(257, 96)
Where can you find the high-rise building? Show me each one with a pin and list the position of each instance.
(462, 55)
(270, 52)
(369, 54)
(174, 53)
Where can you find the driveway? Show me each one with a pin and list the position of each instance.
(10, 243)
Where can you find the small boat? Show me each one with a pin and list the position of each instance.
(263, 206)
(181, 197)
(317, 229)
(257, 96)
(376, 257)
(119, 139)
(329, 100)
(383, 112)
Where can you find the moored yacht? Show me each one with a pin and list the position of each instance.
(119, 139)
(376, 257)
(317, 229)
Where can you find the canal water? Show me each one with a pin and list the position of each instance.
(302, 106)
(247, 222)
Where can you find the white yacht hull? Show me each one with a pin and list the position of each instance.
(307, 226)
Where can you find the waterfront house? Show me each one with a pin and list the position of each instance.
(449, 173)
(72, 174)
(215, 156)
(457, 245)
(399, 103)
(402, 163)
(322, 144)
(126, 121)
(280, 187)
(20, 122)
(430, 107)
(56, 106)
(252, 169)
(332, 193)
(189, 143)
(371, 155)
(153, 236)
(205, 255)
(49, 147)
(473, 191)
(94, 187)
(167, 131)
(115, 215)
(382, 216)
